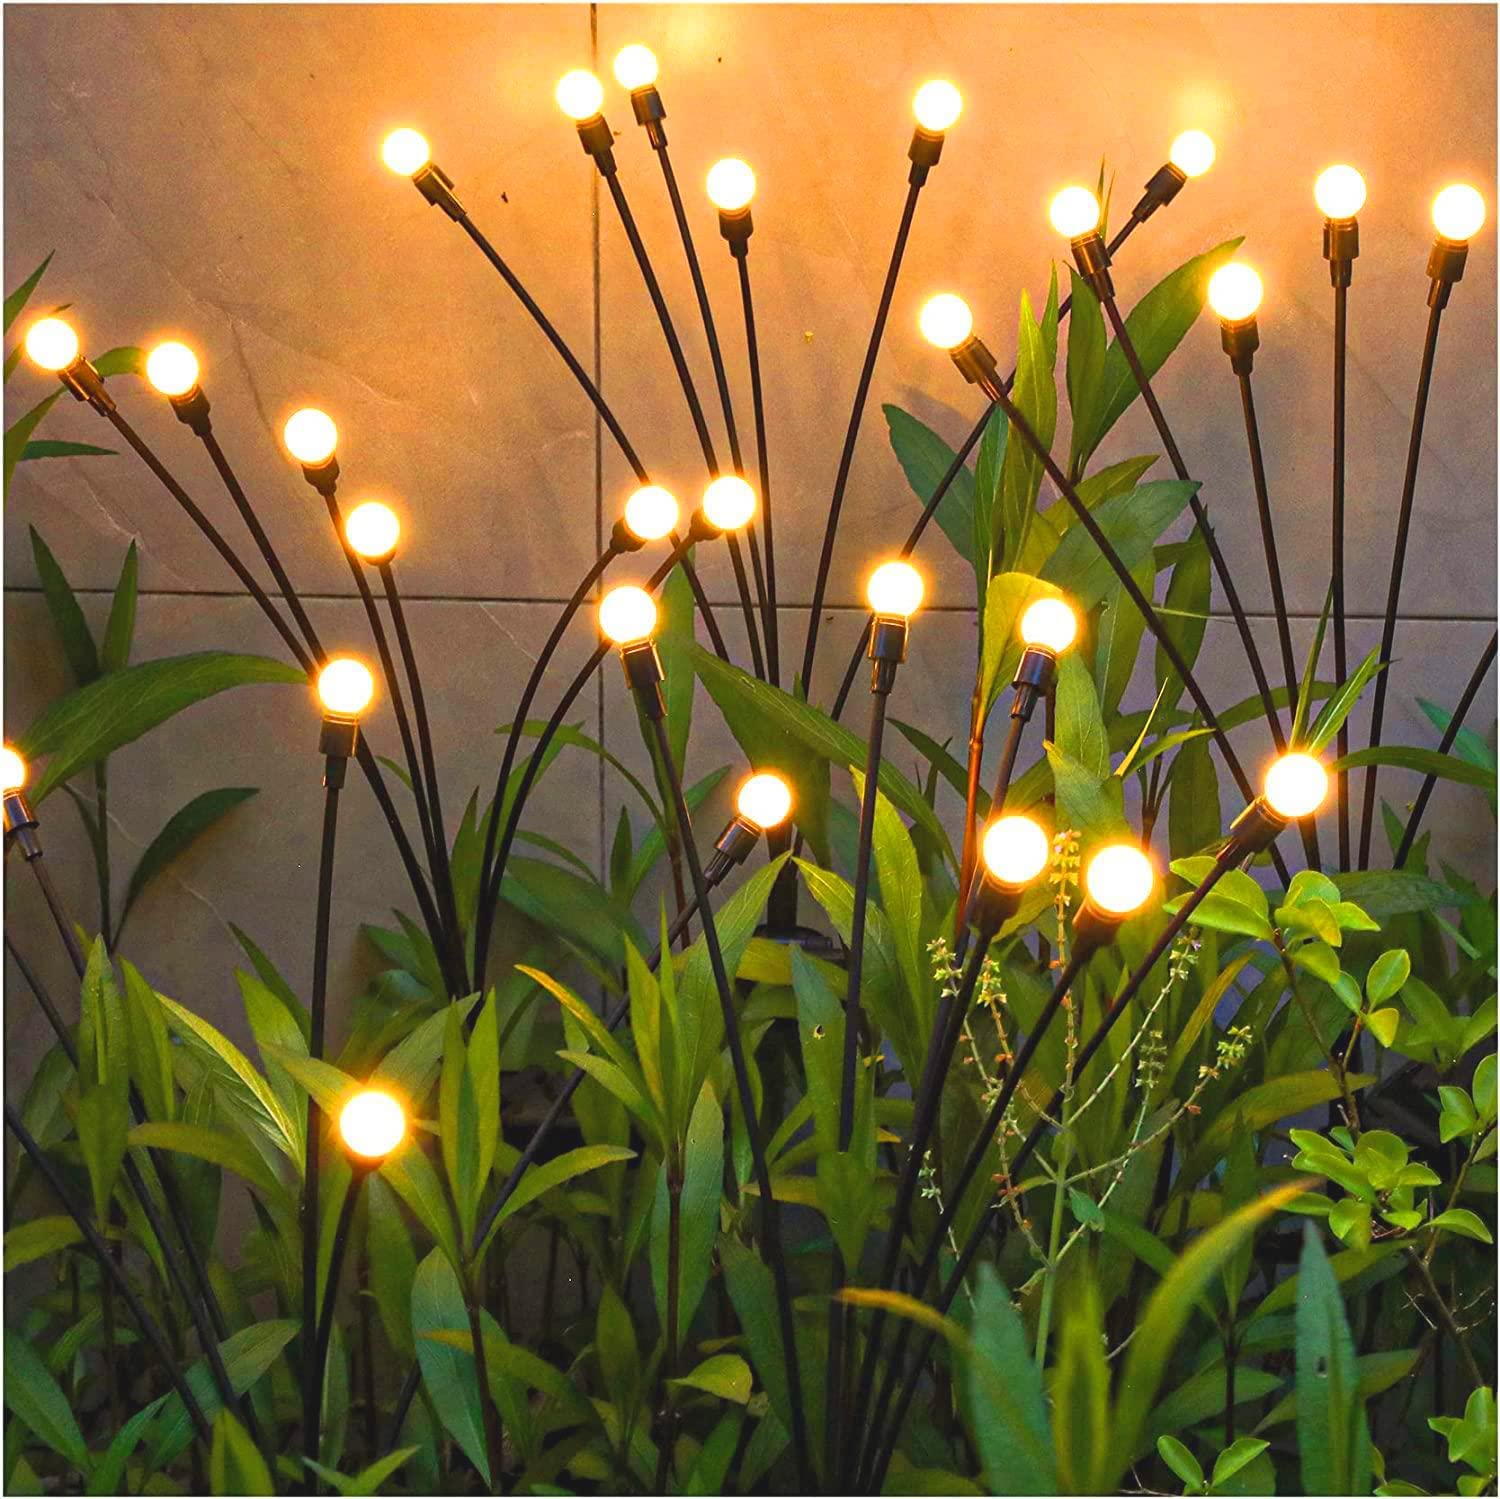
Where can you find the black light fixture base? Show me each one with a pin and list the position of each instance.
(644, 675)
(1256, 828)
(1034, 679)
(1240, 341)
(338, 738)
(84, 383)
(1093, 928)
(21, 825)
(1091, 256)
(733, 847)
(1445, 265)
(192, 411)
(1164, 185)
(436, 186)
(925, 150)
(737, 227)
(977, 365)
(994, 904)
(1340, 247)
(650, 112)
(889, 637)
(324, 477)
(598, 141)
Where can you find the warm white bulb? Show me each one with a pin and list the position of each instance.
(580, 95)
(51, 343)
(1192, 153)
(372, 530)
(1339, 192)
(1458, 212)
(345, 687)
(1234, 292)
(1119, 879)
(635, 67)
(627, 614)
(1050, 624)
(310, 436)
(937, 106)
(12, 770)
(1296, 785)
(372, 1124)
(1015, 850)
(405, 152)
(1075, 212)
(651, 512)
(731, 185)
(765, 800)
(894, 590)
(945, 320)
(729, 502)
(172, 368)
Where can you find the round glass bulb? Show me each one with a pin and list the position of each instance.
(1339, 192)
(937, 106)
(12, 770)
(172, 368)
(1119, 879)
(372, 1124)
(1234, 292)
(310, 436)
(51, 343)
(1192, 153)
(1458, 212)
(894, 590)
(1296, 785)
(627, 614)
(635, 67)
(765, 799)
(372, 530)
(580, 95)
(345, 687)
(731, 185)
(1075, 212)
(945, 320)
(651, 512)
(1050, 624)
(405, 151)
(729, 502)
(1015, 850)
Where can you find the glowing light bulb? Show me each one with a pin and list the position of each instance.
(1075, 212)
(373, 531)
(635, 67)
(1296, 785)
(627, 614)
(172, 368)
(405, 151)
(1339, 192)
(731, 185)
(310, 436)
(345, 687)
(1458, 212)
(12, 770)
(651, 512)
(1119, 879)
(1015, 850)
(580, 95)
(765, 799)
(729, 502)
(894, 590)
(1234, 292)
(1192, 153)
(1050, 624)
(937, 106)
(51, 343)
(945, 320)
(372, 1124)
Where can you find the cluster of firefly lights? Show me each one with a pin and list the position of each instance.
(1013, 849)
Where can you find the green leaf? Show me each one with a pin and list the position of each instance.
(36, 1398)
(108, 1475)
(120, 629)
(1383, 1024)
(220, 1147)
(1459, 1116)
(18, 435)
(1236, 1456)
(368, 1480)
(925, 458)
(181, 831)
(1462, 1221)
(16, 302)
(51, 447)
(726, 1375)
(1180, 1461)
(540, 1179)
(1080, 1394)
(1388, 975)
(67, 617)
(235, 1466)
(1424, 761)
(39, 1237)
(1086, 352)
(1034, 394)
(103, 1119)
(1332, 1436)
(1329, 721)
(93, 721)
(437, 1305)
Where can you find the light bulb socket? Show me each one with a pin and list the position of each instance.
(733, 847)
(1165, 184)
(1094, 928)
(1240, 339)
(192, 410)
(324, 477)
(598, 141)
(737, 227)
(644, 676)
(994, 904)
(701, 528)
(1446, 266)
(85, 383)
(925, 149)
(1034, 679)
(338, 738)
(622, 540)
(977, 365)
(436, 186)
(1256, 828)
(650, 112)
(889, 637)
(21, 825)
(1340, 248)
(1091, 256)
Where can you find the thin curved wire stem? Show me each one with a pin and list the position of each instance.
(752, 355)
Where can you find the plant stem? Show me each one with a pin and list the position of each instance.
(1054, 1240)
(669, 1359)
(1445, 1316)
(492, 1436)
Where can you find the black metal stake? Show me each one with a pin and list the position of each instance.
(1340, 636)
(752, 355)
